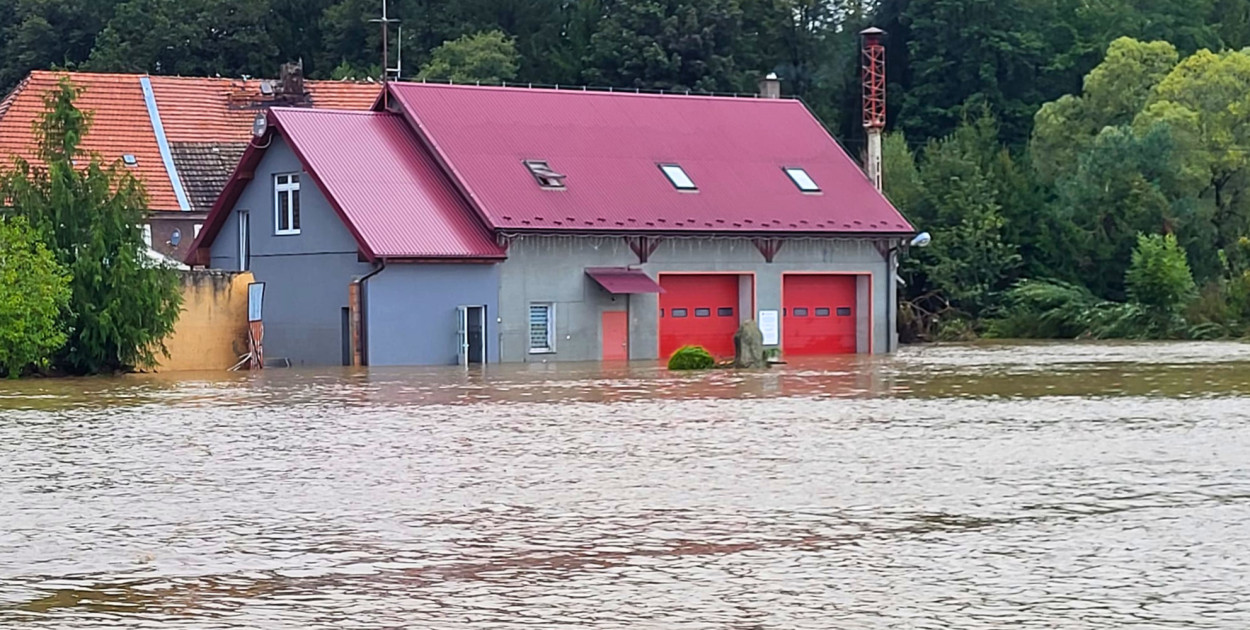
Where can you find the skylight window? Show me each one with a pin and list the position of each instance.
(677, 175)
(802, 179)
(547, 178)
(130, 160)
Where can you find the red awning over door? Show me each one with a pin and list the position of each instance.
(621, 280)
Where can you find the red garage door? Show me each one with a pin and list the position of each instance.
(698, 309)
(818, 314)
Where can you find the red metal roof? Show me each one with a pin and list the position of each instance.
(609, 146)
(621, 280)
(383, 183)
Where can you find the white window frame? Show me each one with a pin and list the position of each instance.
(551, 327)
(802, 179)
(198, 227)
(147, 235)
(678, 177)
(291, 187)
(243, 218)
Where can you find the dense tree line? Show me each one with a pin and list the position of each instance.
(1037, 139)
(1010, 55)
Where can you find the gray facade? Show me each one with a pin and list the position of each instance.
(306, 275)
(411, 312)
(551, 269)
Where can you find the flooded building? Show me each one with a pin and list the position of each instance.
(487, 224)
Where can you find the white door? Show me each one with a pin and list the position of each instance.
(462, 335)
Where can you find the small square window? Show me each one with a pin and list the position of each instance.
(725, 311)
(844, 311)
(544, 174)
(130, 160)
(802, 179)
(702, 312)
(677, 175)
(822, 311)
(679, 312)
(542, 327)
(800, 312)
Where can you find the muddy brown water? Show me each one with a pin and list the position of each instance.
(990, 486)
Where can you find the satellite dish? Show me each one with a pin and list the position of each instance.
(260, 125)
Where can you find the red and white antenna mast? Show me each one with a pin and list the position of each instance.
(873, 75)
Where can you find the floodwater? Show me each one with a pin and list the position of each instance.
(989, 486)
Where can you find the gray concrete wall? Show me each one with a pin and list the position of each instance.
(306, 275)
(410, 311)
(551, 269)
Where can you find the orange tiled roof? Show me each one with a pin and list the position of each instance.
(192, 109)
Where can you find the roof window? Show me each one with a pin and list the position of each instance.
(547, 178)
(677, 175)
(130, 160)
(801, 179)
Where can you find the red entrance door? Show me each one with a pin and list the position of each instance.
(700, 310)
(818, 314)
(615, 336)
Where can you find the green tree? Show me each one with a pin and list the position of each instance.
(489, 57)
(1118, 189)
(668, 45)
(899, 175)
(970, 259)
(1206, 100)
(962, 52)
(40, 34)
(187, 37)
(1159, 278)
(34, 290)
(1115, 92)
(122, 307)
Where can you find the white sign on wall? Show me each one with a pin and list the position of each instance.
(255, 296)
(768, 326)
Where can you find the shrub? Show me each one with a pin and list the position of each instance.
(691, 358)
(1045, 309)
(34, 290)
(1158, 277)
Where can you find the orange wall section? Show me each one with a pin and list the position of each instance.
(211, 333)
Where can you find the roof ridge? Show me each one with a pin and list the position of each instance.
(320, 111)
(12, 95)
(582, 89)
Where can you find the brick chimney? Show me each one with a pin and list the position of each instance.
(770, 86)
(291, 82)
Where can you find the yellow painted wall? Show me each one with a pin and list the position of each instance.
(211, 333)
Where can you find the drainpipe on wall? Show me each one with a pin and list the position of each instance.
(356, 293)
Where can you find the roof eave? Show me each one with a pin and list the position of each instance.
(508, 231)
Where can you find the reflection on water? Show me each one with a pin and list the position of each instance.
(991, 486)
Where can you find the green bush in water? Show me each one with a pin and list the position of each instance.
(691, 358)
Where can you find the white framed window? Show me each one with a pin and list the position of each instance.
(542, 328)
(678, 177)
(245, 240)
(286, 203)
(147, 235)
(198, 227)
(801, 179)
